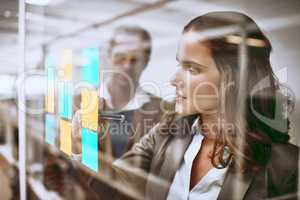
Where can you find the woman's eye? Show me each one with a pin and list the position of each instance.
(193, 70)
(189, 68)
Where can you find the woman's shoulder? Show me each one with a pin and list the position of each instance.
(287, 150)
(285, 156)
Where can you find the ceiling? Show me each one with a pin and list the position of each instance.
(60, 24)
(76, 24)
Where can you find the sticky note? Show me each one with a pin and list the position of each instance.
(90, 149)
(91, 60)
(89, 109)
(65, 100)
(50, 73)
(66, 65)
(65, 136)
(49, 62)
(49, 100)
(50, 129)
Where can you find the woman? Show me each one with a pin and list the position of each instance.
(228, 138)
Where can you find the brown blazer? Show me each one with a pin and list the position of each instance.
(150, 166)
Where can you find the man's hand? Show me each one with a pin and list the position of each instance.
(76, 128)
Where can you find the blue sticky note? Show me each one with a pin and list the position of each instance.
(65, 100)
(50, 129)
(90, 148)
(91, 66)
(49, 62)
(50, 73)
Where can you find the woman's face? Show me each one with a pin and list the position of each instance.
(197, 78)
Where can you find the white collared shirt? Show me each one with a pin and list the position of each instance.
(139, 99)
(119, 132)
(208, 188)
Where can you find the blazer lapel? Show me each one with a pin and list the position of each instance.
(235, 185)
(176, 148)
(173, 157)
(174, 152)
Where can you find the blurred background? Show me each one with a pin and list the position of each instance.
(55, 25)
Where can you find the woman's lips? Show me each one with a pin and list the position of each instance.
(180, 98)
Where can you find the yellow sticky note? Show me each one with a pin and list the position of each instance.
(50, 101)
(50, 94)
(66, 65)
(89, 109)
(65, 136)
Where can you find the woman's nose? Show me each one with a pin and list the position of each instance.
(175, 79)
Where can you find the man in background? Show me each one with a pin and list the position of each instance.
(129, 52)
(120, 92)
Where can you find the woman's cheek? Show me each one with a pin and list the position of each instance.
(204, 95)
(200, 85)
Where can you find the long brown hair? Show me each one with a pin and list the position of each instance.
(263, 121)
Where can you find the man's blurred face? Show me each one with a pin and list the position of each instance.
(128, 58)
